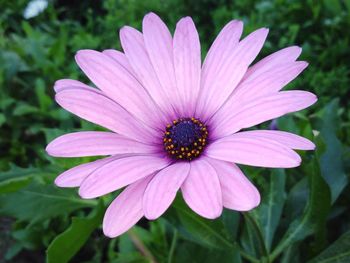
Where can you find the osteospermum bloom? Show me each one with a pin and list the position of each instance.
(176, 122)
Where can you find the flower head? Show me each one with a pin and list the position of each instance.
(176, 123)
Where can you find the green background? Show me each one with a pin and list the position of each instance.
(304, 215)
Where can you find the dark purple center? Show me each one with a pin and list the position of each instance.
(185, 138)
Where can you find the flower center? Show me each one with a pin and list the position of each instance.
(185, 138)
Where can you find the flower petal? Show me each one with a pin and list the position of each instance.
(119, 57)
(159, 46)
(76, 175)
(134, 47)
(92, 143)
(223, 45)
(216, 89)
(120, 85)
(238, 193)
(126, 210)
(267, 82)
(187, 63)
(119, 173)
(290, 140)
(276, 59)
(244, 148)
(161, 191)
(260, 110)
(95, 107)
(63, 84)
(202, 191)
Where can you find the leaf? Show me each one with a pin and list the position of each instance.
(25, 109)
(230, 220)
(43, 99)
(16, 171)
(14, 184)
(338, 252)
(190, 252)
(2, 119)
(252, 239)
(16, 178)
(332, 166)
(297, 199)
(38, 202)
(315, 215)
(270, 210)
(210, 233)
(67, 244)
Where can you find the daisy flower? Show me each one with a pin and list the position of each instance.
(176, 123)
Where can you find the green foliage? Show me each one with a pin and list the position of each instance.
(270, 210)
(337, 252)
(304, 214)
(72, 239)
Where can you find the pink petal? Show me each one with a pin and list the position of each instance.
(247, 149)
(187, 63)
(119, 57)
(92, 143)
(202, 191)
(223, 45)
(76, 175)
(63, 84)
(260, 110)
(159, 46)
(126, 210)
(290, 140)
(93, 106)
(161, 191)
(120, 85)
(135, 50)
(119, 173)
(238, 193)
(267, 82)
(217, 88)
(283, 56)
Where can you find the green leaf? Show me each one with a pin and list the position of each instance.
(210, 233)
(338, 252)
(43, 99)
(230, 220)
(25, 109)
(67, 244)
(16, 171)
(315, 214)
(38, 202)
(14, 184)
(191, 252)
(16, 178)
(297, 199)
(252, 239)
(332, 166)
(270, 210)
(2, 119)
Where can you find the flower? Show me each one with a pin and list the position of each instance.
(176, 124)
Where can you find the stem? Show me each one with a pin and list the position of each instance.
(248, 257)
(172, 247)
(141, 246)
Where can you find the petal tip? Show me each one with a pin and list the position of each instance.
(108, 233)
(50, 149)
(151, 16)
(150, 216)
(58, 182)
(84, 194)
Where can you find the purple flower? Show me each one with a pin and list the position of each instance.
(175, 122)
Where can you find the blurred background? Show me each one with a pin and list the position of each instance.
(305, 213)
